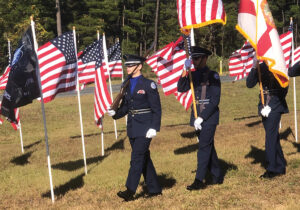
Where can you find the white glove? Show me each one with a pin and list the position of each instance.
(265, 111)
(254, 61)
(187, 64)
(111, 112)
(151, 133)
(197, 123)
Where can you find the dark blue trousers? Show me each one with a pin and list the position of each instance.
(141, 163)
(207, 155)
(274, 155)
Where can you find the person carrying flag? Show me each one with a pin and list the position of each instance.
(142, 104)
(274, 106)
(294, 71)
(207, 87)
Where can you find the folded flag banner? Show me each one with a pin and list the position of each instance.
(57, 60)
(199, 13)
(256, 24)
(22, 85)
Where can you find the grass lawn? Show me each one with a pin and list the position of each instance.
(239, 141)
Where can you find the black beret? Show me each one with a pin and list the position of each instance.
(131, 60)
(197, 51)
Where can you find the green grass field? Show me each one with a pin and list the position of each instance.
(239, 141)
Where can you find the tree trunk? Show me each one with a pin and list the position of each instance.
(58, 18)
(156, 25)
(282, 21)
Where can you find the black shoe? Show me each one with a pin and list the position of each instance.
(197, 185)
(127, 195)
(217, 181)
(270, 175)
(150, 195)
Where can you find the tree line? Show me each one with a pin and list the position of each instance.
(138, 24)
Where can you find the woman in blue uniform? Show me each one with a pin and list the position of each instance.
(207, 87)
(142, 104)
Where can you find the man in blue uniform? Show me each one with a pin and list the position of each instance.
(274, 106)
(207, 88)
(142, 104)
(295, 70)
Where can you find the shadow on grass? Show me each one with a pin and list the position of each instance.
(258, 156)
(119, 145)
(286, 133)
(246, 117)
(171, 126)
(33, 144)
(252, 124)
(97, 134)
(165, 181)
(61, 190)
(22, 159)
(297, 146)
(189, 135)
(186, 149)
(77, 164)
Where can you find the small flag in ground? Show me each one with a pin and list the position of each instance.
(22, 86)
(57, 60)
(114, 61)
(88, 61)
(17, 116)
(102, 98)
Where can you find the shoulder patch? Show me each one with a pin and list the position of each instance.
(216, 76)
(153, 85)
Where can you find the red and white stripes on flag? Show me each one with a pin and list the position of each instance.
(102, 98)
(114, 61)
(86, 71)
(241, 61)
(169, 71)
(297, 55)
(4, 78)
(198, 13)
(57, 61)
(17, 116)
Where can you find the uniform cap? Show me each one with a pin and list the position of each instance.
(198, 51)
(132, 60)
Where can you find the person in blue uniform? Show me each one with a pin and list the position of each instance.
(295, 70)
(274, 106)
(207, 88)
(141, 102)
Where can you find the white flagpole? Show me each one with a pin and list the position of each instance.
(108, 71)
(43, 111)
(9, 52)
(79, 104)
(102, 133)
(294, 80)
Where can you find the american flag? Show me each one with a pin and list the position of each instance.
(88, 61)
(114, 61)
(241, 61)
(198, 13)
(4, 78)
(102, 98)
(17, 116)
(297, 55)
(169, 71)
(57, 60)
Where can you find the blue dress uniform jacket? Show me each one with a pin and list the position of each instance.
(210, 113)
(145, 96)
(274, 96)
(295, 70)
(208, 81)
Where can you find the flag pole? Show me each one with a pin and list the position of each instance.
(102, 132)
(43, 110)
(79, 104)
(294, 80)
(9, 52)
(108, 71)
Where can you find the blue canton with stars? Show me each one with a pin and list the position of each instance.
(65, 43)
(93, 52)
(114, 53)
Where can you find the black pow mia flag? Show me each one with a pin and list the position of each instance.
(22, 85)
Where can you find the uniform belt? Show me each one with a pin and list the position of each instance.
(271, 92)
(139, 111)
(204, 101)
